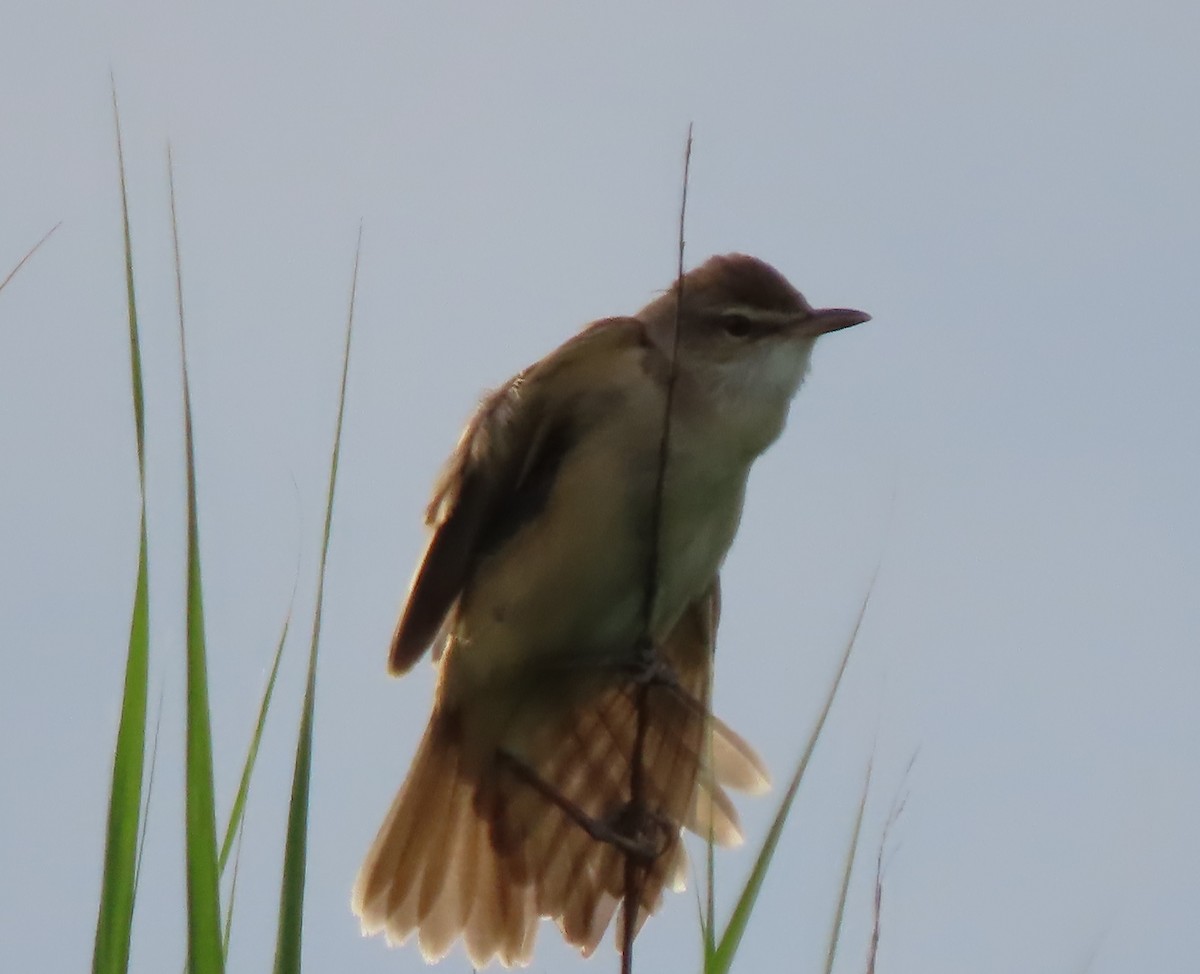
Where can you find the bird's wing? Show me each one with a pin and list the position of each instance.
(501, 473)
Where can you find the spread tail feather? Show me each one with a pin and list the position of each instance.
(433, 869)
(472, 849)
(585, 758)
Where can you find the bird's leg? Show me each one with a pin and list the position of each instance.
(645, 669)
(641, 666)
(637, 832)
(649, 669)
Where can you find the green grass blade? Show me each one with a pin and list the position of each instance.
(203, 895)
(118, 887)
(237, 858)
(710, 899)
(835, 932)
(236, 825)
(291, 895)
(135, 345)
(34, 249)
(705, 906)
(722, 958)
(239, 802)
(708, 911)
(114, 922)
(137, 872)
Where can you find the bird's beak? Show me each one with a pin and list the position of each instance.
(824, 320)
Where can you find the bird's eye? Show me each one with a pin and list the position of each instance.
(736, 326)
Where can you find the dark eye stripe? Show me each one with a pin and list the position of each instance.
(737, 326)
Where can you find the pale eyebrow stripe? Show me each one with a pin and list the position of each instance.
(757, 314)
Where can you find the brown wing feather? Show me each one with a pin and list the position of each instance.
(498, 476)
(466, 490)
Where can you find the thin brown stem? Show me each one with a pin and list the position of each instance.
(877, 903)
(29, 253)
(636, 869)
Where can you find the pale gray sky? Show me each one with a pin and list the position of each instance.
(1010, 189)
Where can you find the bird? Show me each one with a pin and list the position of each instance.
(570, 594)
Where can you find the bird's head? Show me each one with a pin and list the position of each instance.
(745, 335)
(733, 302)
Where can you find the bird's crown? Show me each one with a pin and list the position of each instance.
(740, 280)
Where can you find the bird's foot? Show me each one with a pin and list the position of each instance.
(648, 668)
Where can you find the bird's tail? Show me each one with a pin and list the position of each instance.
(483, 854)
(433, 868)
(472, 848)
(586, 758)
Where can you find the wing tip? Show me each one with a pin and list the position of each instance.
(406, 647)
